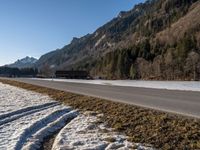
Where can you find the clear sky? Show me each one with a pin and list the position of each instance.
(35, 27)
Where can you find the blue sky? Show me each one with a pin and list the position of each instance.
(35, 27)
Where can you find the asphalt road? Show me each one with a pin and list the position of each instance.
(186, 103)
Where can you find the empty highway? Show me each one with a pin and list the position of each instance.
(180, 102)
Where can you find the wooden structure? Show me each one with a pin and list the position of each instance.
(72, 74)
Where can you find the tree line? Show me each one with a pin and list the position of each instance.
(16, 72)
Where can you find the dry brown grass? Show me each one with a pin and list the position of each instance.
(160, 129)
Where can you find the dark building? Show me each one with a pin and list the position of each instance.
(72, 74)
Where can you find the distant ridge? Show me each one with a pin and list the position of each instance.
(26, 62)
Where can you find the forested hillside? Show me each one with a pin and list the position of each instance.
(159, 39)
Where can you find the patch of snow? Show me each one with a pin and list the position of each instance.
(109, 44)
(15, 99)
(99, 41)
(84, 132)
(26, 118)
(169, 85)
(45, 129)
(52, 66)
(96, 34)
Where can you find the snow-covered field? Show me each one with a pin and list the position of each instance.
(27, 118)
(170, 85)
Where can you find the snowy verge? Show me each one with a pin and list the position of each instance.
(16, 100)
(27, 118)
(86, 133)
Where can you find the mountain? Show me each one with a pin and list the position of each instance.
(158, 39)
(26, 62)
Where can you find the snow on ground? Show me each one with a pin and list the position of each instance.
(85, 132)
(170, 85)
(26, 118)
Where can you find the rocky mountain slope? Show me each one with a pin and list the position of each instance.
(159, 39)
(26, 62)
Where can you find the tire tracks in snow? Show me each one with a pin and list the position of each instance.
(33, 136)
(29, 118)
(24, 112)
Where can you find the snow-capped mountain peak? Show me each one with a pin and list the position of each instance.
(26, 62)
(27, 59)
